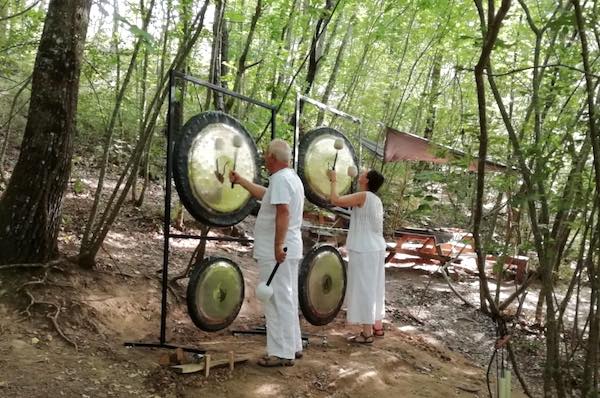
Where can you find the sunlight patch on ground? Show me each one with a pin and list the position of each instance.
(370, 374)
(184, 243)
(408, 329)
(346, 372)
(268, 390)
(121, 241)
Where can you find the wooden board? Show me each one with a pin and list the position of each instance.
(199, 367)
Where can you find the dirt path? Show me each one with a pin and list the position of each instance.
(433, 347)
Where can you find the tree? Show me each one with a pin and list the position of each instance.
(30, 209)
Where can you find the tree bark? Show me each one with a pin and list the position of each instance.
(241, 65)
(490, 35)
(30, 209)
(336, 68)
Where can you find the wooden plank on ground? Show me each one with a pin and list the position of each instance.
(199, 367)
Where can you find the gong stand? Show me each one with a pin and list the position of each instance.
(173, 77)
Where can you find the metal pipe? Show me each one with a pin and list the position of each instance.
(167, 212)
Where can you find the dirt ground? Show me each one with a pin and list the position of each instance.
(433, 347)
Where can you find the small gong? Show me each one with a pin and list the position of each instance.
(320, 150)
(210, 145)
(215, 293)
(321, 284)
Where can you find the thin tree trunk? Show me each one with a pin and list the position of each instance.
(241, 64)
(30, 209)
(336, 68)
(433, 95)
(591, 360)
(11, 115)
(110, 131)
(490, 36)
(112, 209)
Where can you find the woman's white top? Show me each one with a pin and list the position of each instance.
(366, 226)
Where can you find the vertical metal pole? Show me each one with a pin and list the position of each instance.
(167, 214)
(273, 120)
(296, 130)
(359, 146)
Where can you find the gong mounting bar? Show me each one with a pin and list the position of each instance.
(302, 98)
(182, 76)
(329, 108)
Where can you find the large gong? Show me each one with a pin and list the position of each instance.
(321, 284)
(215, 293)
(209, 146)
(317, 153)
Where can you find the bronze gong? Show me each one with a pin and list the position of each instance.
(321, 284)
(317, 153)
(209, 145)
(215, 293)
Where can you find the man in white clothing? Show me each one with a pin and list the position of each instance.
(277, 227)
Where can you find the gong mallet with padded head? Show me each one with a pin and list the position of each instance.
(264, 291)
(338, 145)
(352, 172)
(237, 144)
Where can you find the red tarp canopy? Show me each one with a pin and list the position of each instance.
(401, 146)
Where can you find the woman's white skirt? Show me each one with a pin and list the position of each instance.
(365, 293)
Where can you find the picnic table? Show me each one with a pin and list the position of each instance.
(428, 245)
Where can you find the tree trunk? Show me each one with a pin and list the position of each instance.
(241, 65)
(336, 68)
(433, 96)
(490, 36)
(590, 374)
(30, 209)
(316, 45)
(110, 132)
(113, 206)
(214, 75)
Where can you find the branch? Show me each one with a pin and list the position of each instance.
(513, 359)
(21, 12)
(559, 65)
(53, 318)
(50, 264)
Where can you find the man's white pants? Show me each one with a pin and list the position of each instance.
(281, 310)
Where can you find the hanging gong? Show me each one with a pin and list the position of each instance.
(319, 149)
(215, 293)
(321, 284)
(209, 146)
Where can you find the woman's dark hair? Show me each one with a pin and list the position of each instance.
(375, 180)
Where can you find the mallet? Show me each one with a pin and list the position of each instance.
(352, 171)
(237, 143)
(264, 291)
(338, 145)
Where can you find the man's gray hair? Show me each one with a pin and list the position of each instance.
(281, 150)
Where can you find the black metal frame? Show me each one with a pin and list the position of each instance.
(173, 76)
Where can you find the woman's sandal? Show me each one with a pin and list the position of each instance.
(362, 339)
(270, 362)
(378, 332)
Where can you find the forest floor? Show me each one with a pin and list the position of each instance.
(434, 346)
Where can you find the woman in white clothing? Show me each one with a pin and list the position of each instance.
(366, 254)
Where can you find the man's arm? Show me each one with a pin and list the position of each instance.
(258, 191)
(282, 221)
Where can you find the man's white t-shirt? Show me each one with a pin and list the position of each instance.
(285, 187)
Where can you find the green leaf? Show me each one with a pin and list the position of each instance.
(137, 32)
(233, 16)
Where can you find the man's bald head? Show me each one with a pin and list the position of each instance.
(280, 150)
